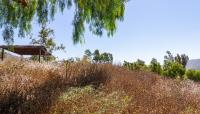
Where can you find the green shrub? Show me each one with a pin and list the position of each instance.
(173, 70)
(87, 100)
(138, 65)
(193, 75)
(155, 66)
(128, 65)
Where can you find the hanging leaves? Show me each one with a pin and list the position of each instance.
(100, 15)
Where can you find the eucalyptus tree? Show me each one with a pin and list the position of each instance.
(96, 56)
(88, 55)
(98, 15)
(179, 58)
(46, 38)
(106, 58)
(182, 59)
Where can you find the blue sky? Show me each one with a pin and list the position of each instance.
(149, 29)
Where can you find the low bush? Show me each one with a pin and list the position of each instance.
(137, 65)
(173, 70)
(155, 66)
(91, 101)
(193, 75)
(128, 65)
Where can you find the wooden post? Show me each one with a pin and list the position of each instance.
(39, 55)
(2, 54)
(45, 56)
(21, 57)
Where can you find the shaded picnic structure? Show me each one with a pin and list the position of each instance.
(25, 50)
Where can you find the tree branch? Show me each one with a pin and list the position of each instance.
(22, 2)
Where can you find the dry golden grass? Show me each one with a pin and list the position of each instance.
(33, 88)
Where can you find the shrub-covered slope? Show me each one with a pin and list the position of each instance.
(28, 87)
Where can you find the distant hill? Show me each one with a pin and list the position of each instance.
(193, 64)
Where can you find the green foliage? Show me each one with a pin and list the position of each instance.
(182, 59)
(169, 57)
(193, 75)
(82, 99)
(138, 65)
(173, 69)
(155, 66)
(175, 66)
(106, 58)
(46, 38)
(98, 57)
(88, 53)
(87, 56)
(100, 15)
(128, 65)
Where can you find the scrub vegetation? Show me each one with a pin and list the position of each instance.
(84, 87)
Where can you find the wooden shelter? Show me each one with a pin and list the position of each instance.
(25, 50)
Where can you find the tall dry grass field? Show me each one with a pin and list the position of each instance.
(50, 88)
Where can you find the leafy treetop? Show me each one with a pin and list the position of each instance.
(46, 38)
(100, 15)
(97, 57)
